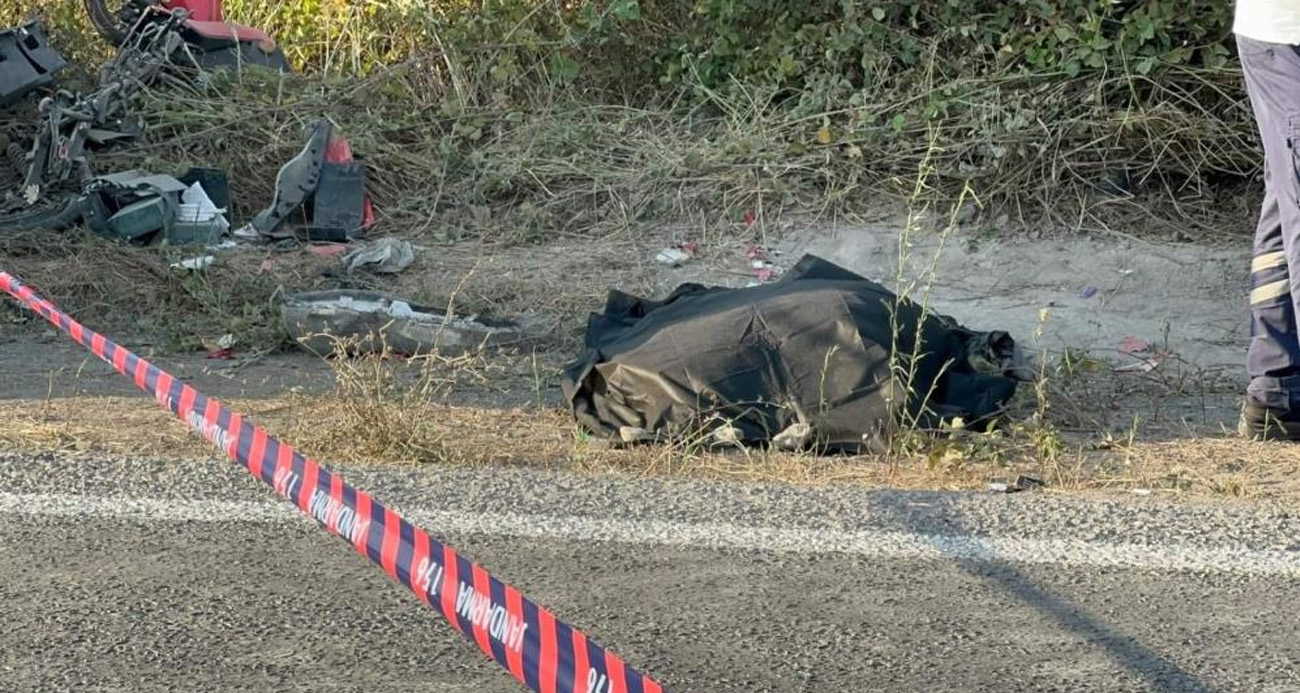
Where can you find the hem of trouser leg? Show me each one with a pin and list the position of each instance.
(1275, 393)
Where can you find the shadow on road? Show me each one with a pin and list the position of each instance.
(1158, 671)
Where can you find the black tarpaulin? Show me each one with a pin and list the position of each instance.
(813, 348)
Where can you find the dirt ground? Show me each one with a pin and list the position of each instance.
(1166, 429)
(1184, 299)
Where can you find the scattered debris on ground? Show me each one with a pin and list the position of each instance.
(1022, 483)
(763, 264)
(1147, 357)
(198, 262)
(673, 257)
(144, 207)
(323, 187)
(372, 321)
(385, 256)
(322, 190)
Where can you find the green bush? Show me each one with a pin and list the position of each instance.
(66, 23)
(819, 53)
(827, 52)
(1023, 98)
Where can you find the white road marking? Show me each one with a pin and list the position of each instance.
(869, 543)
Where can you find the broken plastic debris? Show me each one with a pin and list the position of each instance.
(142, 217)
(30, 61)
(1088, 291)
(401, 309)
(195, 263)
(317, 319)
(672, 256)
(156, 183)
(632, 434)
(386, 256)
(794, 437)
(223, 348)
(1140, 491)
(196, 207)
(1026, 483)
(1132, 345)
(761, 262)
(726, 435)
(1022, 483)
(1144, 364)
(1148, 358)
(327, 249)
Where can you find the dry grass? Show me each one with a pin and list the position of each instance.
(385, 410)
(556, 164)
(121, 288)
(132, 293)
(382, 406)
(479, 178)
(1217, 467)
(1084, 429)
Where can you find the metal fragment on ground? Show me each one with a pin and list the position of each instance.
(372, 321)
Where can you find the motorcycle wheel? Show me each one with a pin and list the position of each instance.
(106, 20)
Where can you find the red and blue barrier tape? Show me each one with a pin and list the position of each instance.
(539, 650)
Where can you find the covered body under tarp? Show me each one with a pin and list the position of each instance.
(811, 352)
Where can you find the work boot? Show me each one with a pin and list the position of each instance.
(1259, 422)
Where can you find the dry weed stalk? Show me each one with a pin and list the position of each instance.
(385, 405)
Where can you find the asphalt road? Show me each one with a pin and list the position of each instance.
(138, 575)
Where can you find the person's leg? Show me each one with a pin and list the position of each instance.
(1274, 352)
(1272, 74)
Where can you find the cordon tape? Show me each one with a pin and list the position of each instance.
(539, 650)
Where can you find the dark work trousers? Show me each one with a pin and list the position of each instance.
(1272, 73)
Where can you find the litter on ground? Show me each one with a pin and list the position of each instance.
(385, 256)
(368, 321)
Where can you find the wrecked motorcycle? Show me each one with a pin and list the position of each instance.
(322, 190)
(209, 38)
(52, 164)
